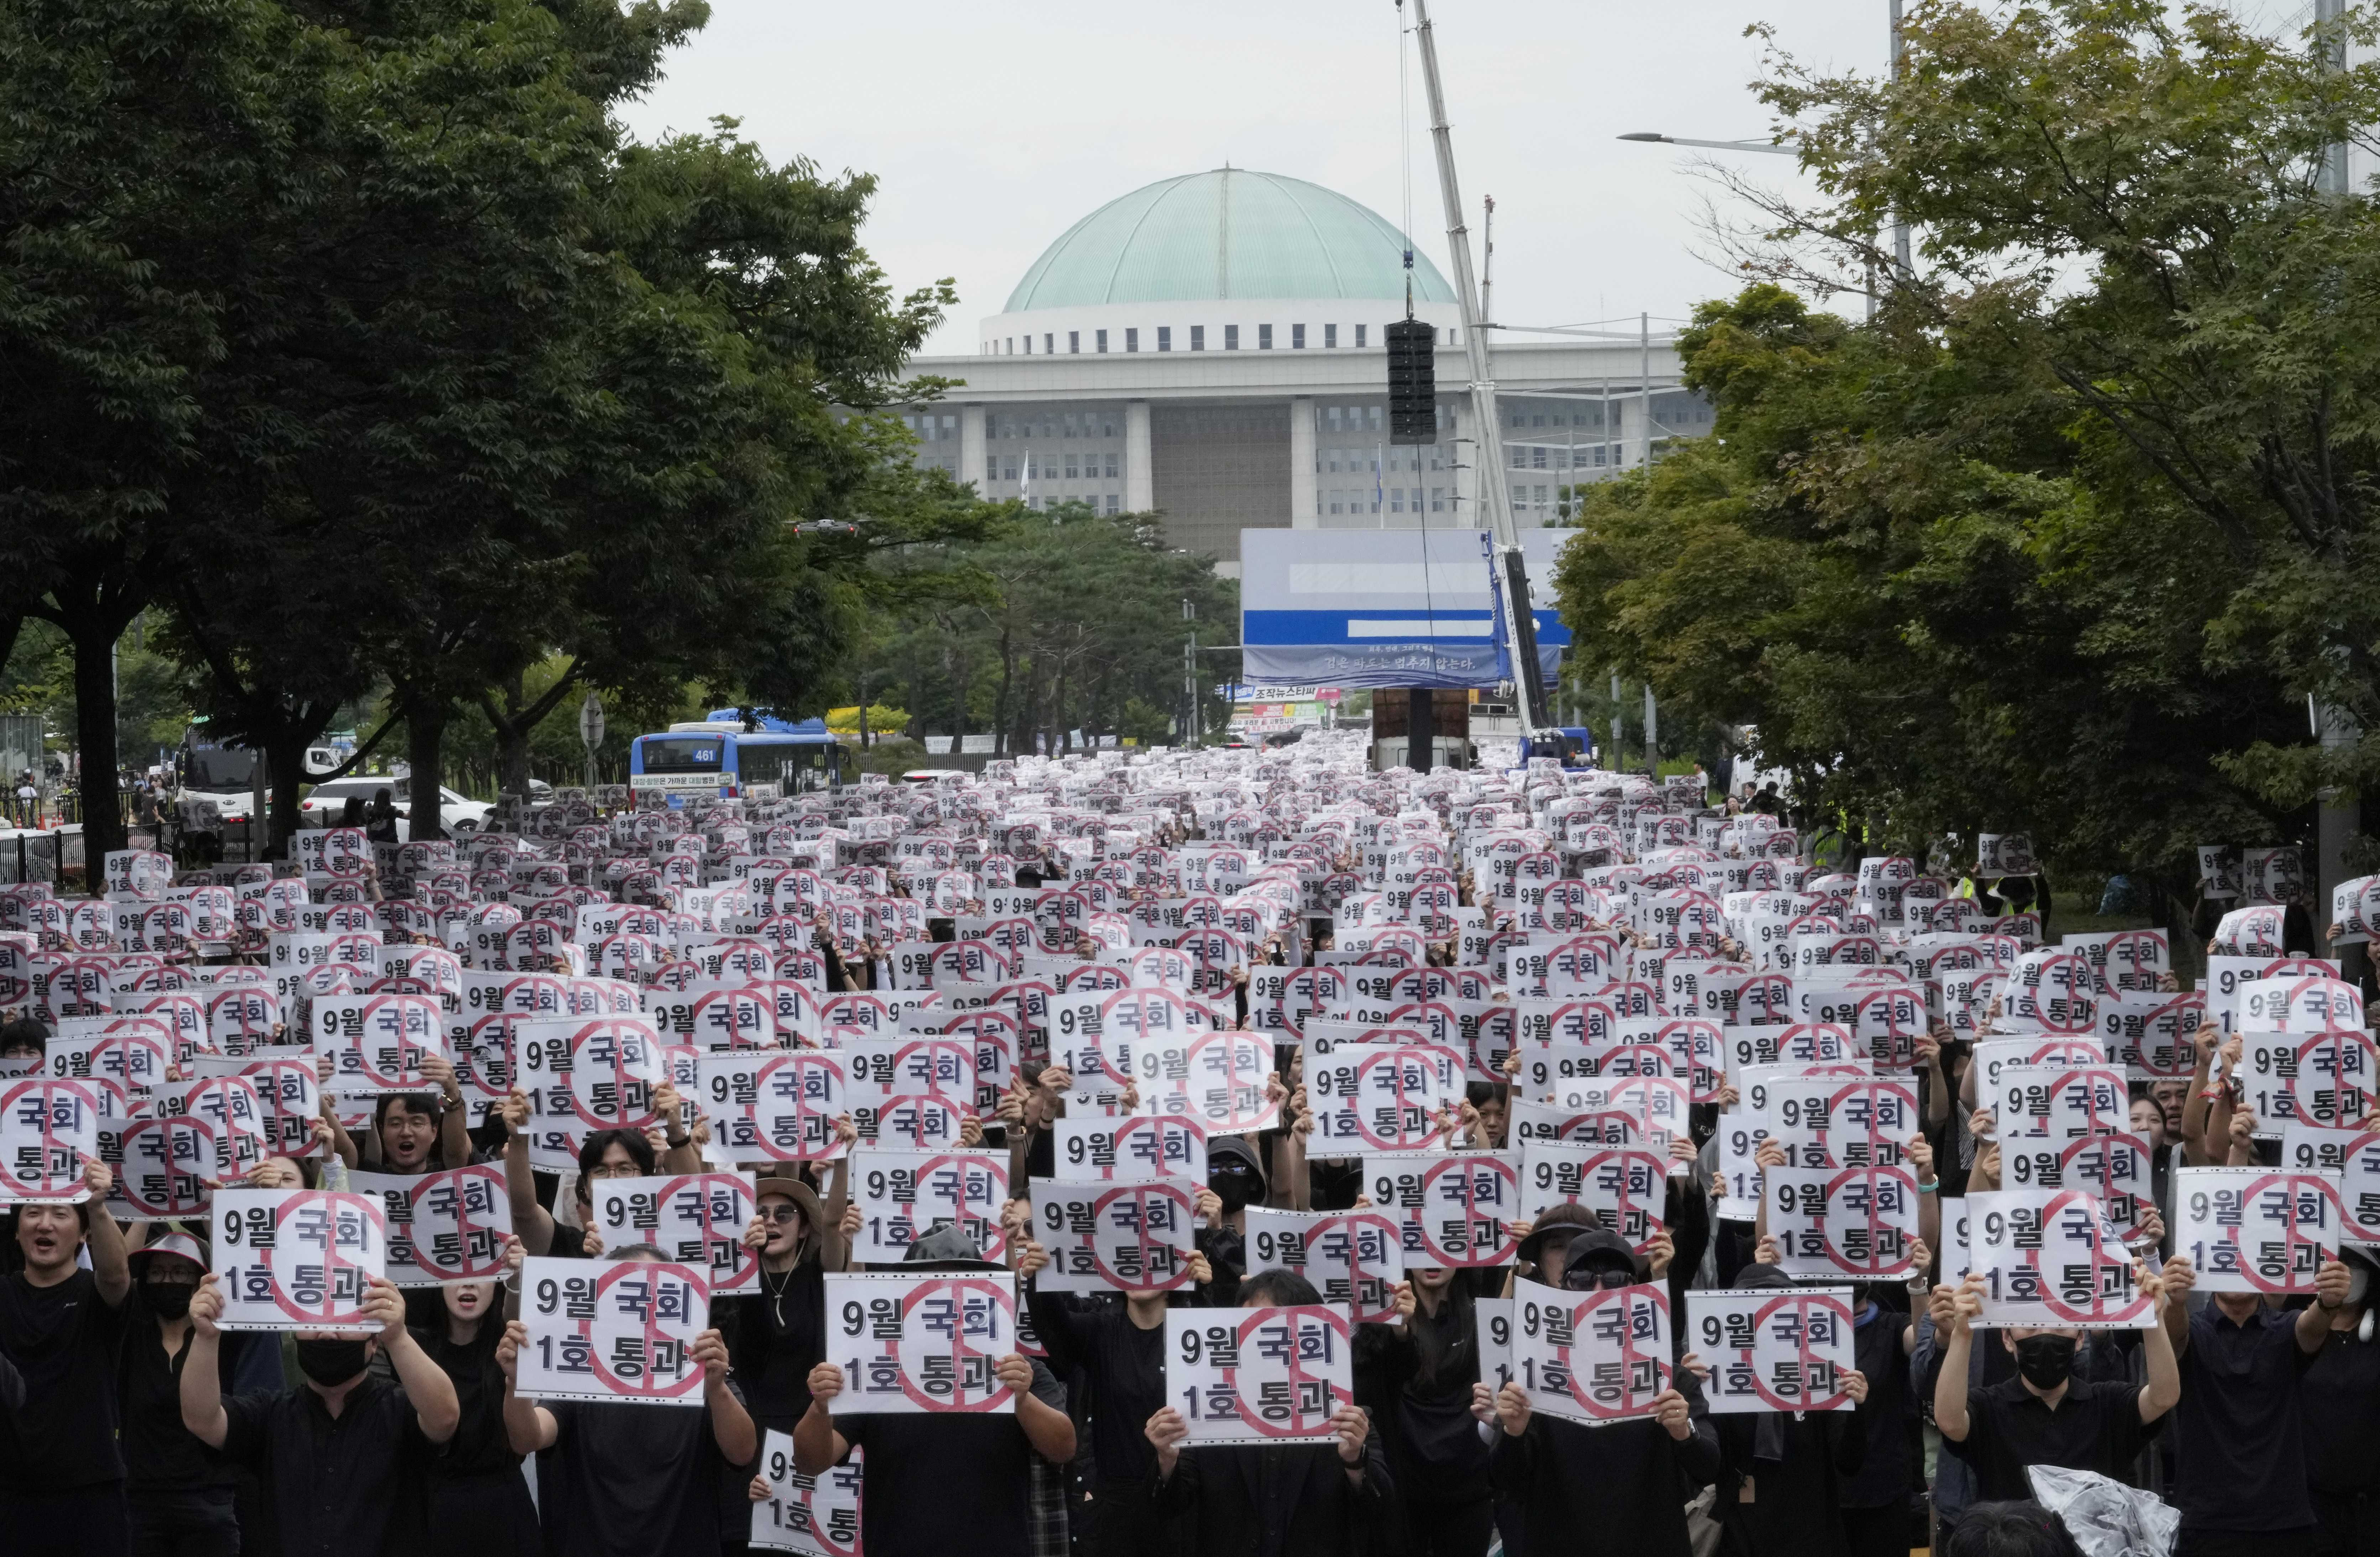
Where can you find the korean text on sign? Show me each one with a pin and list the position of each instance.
(927, 1343)
(298, 1258)
(612, 1330)
(1258, 1375)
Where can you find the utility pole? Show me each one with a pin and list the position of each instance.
(1494, 495)
(1645, 378)
(1901, 271)
(1192, 722)
(1652, 736)
(1618, 724)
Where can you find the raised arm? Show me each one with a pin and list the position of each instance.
(1048, 1430)
(533, 1224)
(2329, 1296)
(528, 1426)
(454, 1123)
(425, 1386)
(1950, 1386)
(111, 1262)
(679, 1155)
(731, 1425)
(2162, 1390)
(202, 1407)
(2179, 1276)
(2194, 1102)
(817, 1446)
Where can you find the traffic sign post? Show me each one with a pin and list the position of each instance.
(590, 732)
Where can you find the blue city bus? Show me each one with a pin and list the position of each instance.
(717, 757)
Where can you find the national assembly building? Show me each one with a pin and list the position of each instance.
(1209, 347)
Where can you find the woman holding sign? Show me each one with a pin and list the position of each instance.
(776, 1336)
(479, 1503)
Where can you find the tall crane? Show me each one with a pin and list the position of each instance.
(1494, 496)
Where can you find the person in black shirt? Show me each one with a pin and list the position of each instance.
(1619, 1487)
(1265, 1499)
(179, 1492)
(61, 1474)
(2045, 1416)
(1782, 1472)
(1415, 1375)
(2339, 1399)
(604, 1154)
(777, 1334)
(626, 1477)
(1120, 1352)
(2239, 1476)
(477, 1503)
(331, 1452)
(936, 1484)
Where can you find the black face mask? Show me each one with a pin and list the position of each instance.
(330, 1360)
(168, 1299)
(1234, 1189)
(2046, 1361)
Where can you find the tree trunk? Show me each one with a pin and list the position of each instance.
(999, 703)
(425, 738)
(285, 759)
(94, 685)
(512, 743)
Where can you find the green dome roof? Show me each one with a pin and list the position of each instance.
(1226, 234)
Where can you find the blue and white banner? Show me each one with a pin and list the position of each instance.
(1385, 608)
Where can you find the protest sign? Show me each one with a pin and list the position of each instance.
(2052, 1257)
(1843, 1221)
(1128, 1235)
(1217, 1077)
(1773, 1350)
(903, 1193)
(582, 1076)
(447, 1226)
(1591, 1357)
(2321, 1078)
(2354, 1156)
(239, 1118)
(611, 1330)
(161, 1164)
(2258, 1229)
(780, 1106)
(1623, 1187)
(1258, 1375)
(696, 1220)
(1492, 1332)
(377, 1042)
(1354, 1258)
(48, 1130)
(1841, 1122)
(916, 1092)
(298, 1258)
(1144, 1145)
(1454, 1210)
(923, 1342)
(1378, 1096)
(819, 1514)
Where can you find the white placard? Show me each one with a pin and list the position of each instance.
(611, 1330)
(1380, 1097)
(2258, 1229)
(1455, 1209)
(1258, 1375)
(696, 1220)
(1144, 1145)
(377, 1042)
(2354, 1156)
(298, 1258)
(2324, 1078)
(1592, 1356)
(1773, 1348)
(1837, 1222)
(1354, 1258)
(584, 1075)
(2050, 1258)
(1624, 1188)
(1115, 1235)
(48, 1130)
(916, 1093)
(903, 1194)
(819, 1514)
(447, 1226)
(927, 1342)
(782, 1107)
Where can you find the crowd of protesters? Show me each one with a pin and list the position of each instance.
(131, 1421)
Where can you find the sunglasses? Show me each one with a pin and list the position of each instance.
(1605, 1281)
(781, 1213)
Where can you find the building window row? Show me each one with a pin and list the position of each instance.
(1392, 457)
(1053, 424)
(1542, 456)
(1047, 468)
(1013, 345)
(1372, 500)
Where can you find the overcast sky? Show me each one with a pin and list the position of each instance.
(991, 129)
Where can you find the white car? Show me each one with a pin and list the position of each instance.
(324, 802)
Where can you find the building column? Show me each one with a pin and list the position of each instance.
(1139, 481)
(1302, 493)
(973, 446)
